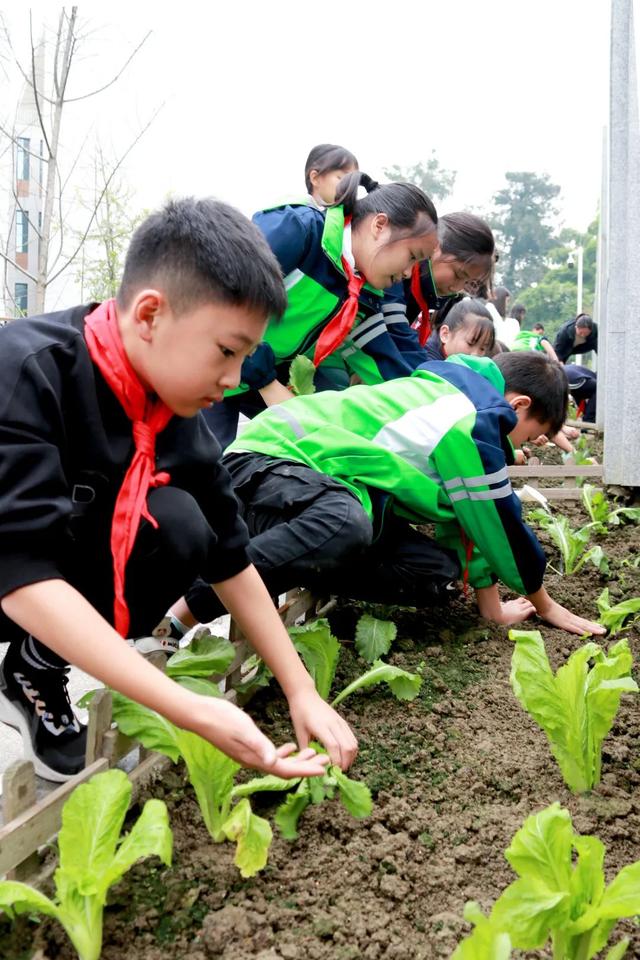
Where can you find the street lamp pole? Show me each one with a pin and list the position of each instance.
(580, 252)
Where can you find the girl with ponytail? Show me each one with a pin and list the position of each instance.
(336, 264)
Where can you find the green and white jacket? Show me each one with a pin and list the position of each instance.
(435, 444)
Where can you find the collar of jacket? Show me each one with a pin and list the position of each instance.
(332, 241)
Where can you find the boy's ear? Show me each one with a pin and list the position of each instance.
(520, 402)
(147, 306)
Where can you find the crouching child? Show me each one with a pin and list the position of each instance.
(332, 487)
(113, 497)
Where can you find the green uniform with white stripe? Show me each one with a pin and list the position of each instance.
(426, 444)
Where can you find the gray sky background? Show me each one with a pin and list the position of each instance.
(249, 87)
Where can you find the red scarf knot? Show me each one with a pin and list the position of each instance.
(149, 416)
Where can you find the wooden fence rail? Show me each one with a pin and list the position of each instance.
(29, 824)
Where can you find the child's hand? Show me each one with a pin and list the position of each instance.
(558, 616)
(515, 611)
(314, 719)
(231, 730)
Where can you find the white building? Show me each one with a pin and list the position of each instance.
(26, 187)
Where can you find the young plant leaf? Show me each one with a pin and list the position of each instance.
(355, 796)
(206, 655)
(253, 837)
(301, 374)
(320, 651)
(289, 812)
(93, 857)
(374, 637)
(403, 685)
(211, 774)
(205, 688)
(486, 942)
(613, 618)
(576, 707)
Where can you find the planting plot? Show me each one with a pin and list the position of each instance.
(454, 774)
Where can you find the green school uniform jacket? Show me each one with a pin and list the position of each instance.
(434, 444)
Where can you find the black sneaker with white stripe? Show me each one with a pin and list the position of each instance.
(34, 700)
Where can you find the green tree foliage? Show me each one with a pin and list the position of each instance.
(552, 299)
(523, 218)
(436, 181)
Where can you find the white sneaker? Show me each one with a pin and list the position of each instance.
(165, 638)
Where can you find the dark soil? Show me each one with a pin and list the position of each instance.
(454, 774)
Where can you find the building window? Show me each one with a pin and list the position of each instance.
(22, 231)
(22, 299)
(22, 158)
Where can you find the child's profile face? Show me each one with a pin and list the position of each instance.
(191, 359)
(529, 427)
(453, 276)
(384, 256)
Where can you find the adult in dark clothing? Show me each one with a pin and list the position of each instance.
(113, 497)
(576, 336)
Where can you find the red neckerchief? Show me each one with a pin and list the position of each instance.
(149, 416)
(424, 330)
(339, 326)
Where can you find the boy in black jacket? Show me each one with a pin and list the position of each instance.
(113, 497)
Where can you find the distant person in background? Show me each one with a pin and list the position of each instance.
(326, 165)
(466, 328)
(583, 386)
(507, 328)
(539, 329)
(530, 340)
(519, 312)
(576, 336)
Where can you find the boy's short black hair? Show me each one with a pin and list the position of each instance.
(537, 376)
(584, 321)
(200, 251)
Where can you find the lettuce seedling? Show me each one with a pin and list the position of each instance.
(613, 618)
(205, 656)
(320, 651)
(374, 637)
(571, 543)
(301, 374)
(486, 942)
(560, 893)
(575, 707)
(355, 797)
(599, 509)
(93, 857)
(211, 774)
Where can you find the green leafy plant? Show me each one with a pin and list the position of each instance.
(601, 511)
(320, 651)
(205, 656)
(301, 374)
(486, 942)
(576, 706)
(560, 894)
(354, 795)
(93, 857)
(211, 774)
(374, 637)
(571, 543)
(613, 618)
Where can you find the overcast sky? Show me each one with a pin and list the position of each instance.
(249, 87)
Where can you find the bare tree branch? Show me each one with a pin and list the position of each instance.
(36, 94)
(17, 266)
(106, 185)
(117, 76)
